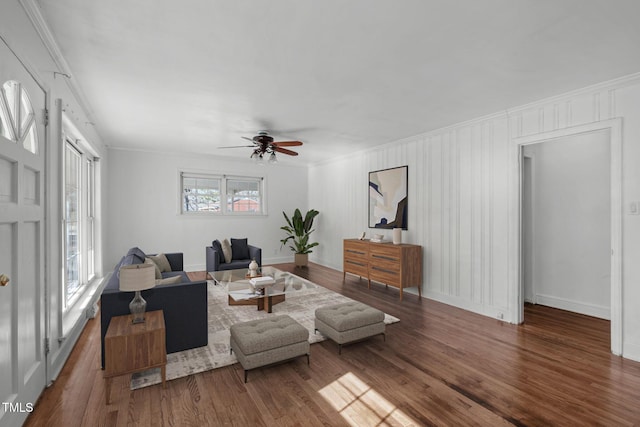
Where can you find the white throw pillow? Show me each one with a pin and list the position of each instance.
(162, 262)
(169, 280)
(226, 250)
(158, 272)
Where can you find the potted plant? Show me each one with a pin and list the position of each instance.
(298, 230)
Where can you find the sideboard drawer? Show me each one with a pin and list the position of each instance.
(356, 267)
(356, 248)
(356, 255)
(385, 252)
(383, 275)
(385, 263)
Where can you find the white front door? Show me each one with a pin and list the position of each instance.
(22, 299)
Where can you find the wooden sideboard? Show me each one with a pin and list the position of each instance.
(394, 265)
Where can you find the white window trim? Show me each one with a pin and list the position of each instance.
(223, 194)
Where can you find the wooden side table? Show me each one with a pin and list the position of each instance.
(133, 348)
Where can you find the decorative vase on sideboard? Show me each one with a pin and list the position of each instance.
(397, 236)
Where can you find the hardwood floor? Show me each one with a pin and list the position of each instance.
(439, 366)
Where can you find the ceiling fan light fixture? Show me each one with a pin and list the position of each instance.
(265, 148)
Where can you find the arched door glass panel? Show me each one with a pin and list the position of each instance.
(17, 118)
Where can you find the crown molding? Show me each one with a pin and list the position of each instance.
(617, 83)
(32, 10)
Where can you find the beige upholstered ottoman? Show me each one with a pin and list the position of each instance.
(347, 322)
(265, 341)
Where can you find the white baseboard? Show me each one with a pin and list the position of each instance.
(499, 313)
(326, 264)
(194, 267)
(593, 310)
(277, 260)
(631, 351)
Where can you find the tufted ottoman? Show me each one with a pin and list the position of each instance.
(347, 322)
(265, 341)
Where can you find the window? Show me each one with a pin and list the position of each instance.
(243, 195)
(79, 219)
(72, 219)
(200, 194)
(206, 194)
(17, 119)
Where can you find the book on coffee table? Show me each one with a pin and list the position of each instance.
(258, 285)
(260, 282)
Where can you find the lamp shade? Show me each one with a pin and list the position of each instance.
(137, 277)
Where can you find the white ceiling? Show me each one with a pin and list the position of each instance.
(339, 75)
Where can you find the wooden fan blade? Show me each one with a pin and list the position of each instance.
(285, 151)
(239, 146)
(287, 143)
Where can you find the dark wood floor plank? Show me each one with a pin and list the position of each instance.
(439, 365)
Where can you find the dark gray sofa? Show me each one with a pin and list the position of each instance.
(215, 259)
(184, 304)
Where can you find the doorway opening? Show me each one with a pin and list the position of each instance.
(570, 222)
(566, 218)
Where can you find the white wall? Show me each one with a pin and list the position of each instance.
(571, 266)
(143, 206)
(463, 206)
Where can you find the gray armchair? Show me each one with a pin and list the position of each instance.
(215, 259)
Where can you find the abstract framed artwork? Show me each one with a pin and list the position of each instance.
(388, 198)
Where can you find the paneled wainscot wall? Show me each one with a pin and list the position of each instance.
(464, 201)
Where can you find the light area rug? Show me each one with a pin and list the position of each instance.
(300, 306)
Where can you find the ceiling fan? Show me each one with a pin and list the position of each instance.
(263, 144)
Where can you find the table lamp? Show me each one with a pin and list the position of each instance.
(136, 278)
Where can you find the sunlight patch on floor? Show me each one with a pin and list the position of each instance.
(360, 405)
